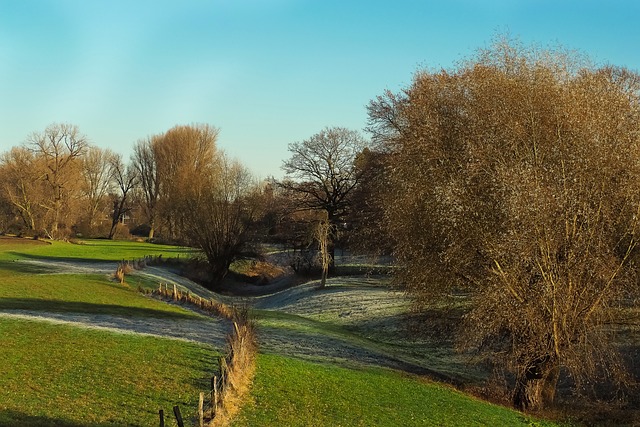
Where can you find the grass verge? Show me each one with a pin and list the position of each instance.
(292, 392)
(81, 294)
(64, 376)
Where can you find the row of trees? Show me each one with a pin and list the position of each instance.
(56, 180)
(178, 186)
(58, 185)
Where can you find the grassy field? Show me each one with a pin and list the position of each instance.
(87, 250)
(60, 375)
(79, 294)
(57, 375)
(290, 392)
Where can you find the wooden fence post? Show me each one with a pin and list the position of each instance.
(161, 418)
(214, 394)
(176, 412)
(201, 410)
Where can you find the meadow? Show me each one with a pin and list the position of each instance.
(317, 365)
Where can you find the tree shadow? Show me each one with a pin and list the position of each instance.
(86, 307)
(26, 268)
(9, 417)
(54, 258)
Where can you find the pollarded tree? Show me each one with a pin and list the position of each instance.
(515, 177)
(321, 173)
(219, 212)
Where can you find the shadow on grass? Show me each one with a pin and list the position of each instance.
(54, 258)
(9, 417)
(85, 307)
(21, 267)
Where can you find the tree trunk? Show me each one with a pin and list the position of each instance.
(218, 270)
(536, 386)
(323, 280)
(115, 217)
(332, 255)
(151, 230)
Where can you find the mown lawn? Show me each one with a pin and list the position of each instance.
(291, 392)
(58, 375)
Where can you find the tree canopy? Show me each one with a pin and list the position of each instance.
(321, 170)
(514, 179)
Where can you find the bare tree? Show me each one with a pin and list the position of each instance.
(97, 180)
(323, 233)
(144, 160)
(60, 146)
(21, 181)
(126, 179)
(218, 215)
(367, 227)
(515, 177)
(321, 173)
(183, 154)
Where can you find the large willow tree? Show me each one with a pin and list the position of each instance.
(516, 177)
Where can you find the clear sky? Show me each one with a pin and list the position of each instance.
(266, 72)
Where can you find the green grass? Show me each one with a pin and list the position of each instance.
(81, 294)
(20, 288)
(435, 358)
(59, 375)
(290, 392)
(89, 250)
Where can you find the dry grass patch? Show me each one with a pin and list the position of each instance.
(237, 370)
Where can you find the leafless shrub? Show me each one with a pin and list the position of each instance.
(123, 269)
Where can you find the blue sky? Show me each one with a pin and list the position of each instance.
(266, 72)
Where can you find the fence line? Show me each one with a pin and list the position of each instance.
(232, 382)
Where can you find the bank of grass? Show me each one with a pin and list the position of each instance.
(87, 250)
(79, 293)
(20, 288)
(58, 375)
(292, 392)
(438, 358)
